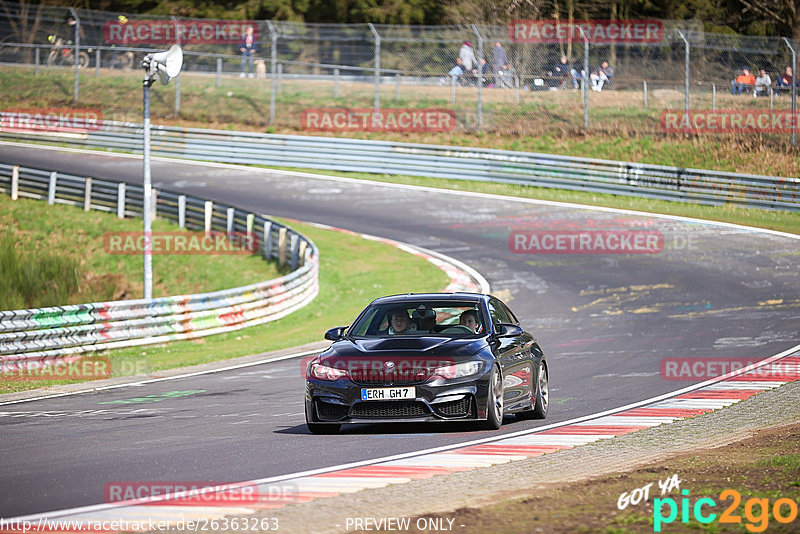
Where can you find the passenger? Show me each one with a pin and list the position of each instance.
(469, 319)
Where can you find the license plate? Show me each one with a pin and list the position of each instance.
(368, 394)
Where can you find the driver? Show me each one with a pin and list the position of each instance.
(469, 319)
(400, 322)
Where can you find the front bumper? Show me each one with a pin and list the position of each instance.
(339, 402)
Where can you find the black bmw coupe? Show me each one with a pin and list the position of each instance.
(428, 358)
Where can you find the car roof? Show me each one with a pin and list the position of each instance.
(415, 297)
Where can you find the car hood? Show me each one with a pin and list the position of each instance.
(407, 347)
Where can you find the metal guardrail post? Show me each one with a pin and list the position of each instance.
(229, 222)
(644, 89)
(397, 86)
(121, 200)
(713, 97)
(293, 247)
(182, 211)
(585, 84)
(15, 182)
(377, 68)
(273, 67)
(207, 215)
(685, 78)
(282, 247)
(794, 90)
(480, 77)
(452, 89)
(219, 72)
(36, 62)
(250, 220)
(335, 83)
(76, 53)
(51, 188)
(266, 245)
(87, 195)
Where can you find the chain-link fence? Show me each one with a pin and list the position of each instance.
(684, 82)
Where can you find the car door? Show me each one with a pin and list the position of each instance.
(519, 374)
(506, 352)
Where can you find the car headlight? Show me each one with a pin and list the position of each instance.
(325, 372)
(459, 370)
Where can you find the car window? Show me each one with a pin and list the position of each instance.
(497, 312)
(510, 313)
(418, 318)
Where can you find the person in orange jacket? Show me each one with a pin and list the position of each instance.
(743, 82)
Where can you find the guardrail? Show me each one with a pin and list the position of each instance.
(480, 164)
(47, 334)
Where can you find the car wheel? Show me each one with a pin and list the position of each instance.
(539, 410)
(494, 411)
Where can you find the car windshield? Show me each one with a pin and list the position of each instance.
(420, 318)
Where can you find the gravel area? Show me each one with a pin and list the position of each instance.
(444, 495)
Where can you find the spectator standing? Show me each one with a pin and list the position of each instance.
(468, 61)
(502, 66)
(602, 76)
(763, 84)
(743, 82)
(248, 47)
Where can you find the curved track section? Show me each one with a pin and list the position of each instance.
(607, 323)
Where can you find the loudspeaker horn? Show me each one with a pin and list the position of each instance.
(168, 63)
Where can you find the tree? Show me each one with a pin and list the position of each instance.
(785, 14)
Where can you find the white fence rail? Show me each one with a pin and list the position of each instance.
(48, 334)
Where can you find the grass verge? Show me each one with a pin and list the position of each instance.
(353, 271)
(56, 255)
(762, 470)
(542, 121)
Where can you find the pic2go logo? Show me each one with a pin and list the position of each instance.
(783, 511)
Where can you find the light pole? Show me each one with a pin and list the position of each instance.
(166, 65)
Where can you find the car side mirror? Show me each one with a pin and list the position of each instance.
(335, 334)
(507, 330)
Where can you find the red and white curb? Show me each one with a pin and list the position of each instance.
(277, 492)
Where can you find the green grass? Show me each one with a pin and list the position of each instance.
(543, 121)
(61, 250)
(353, 271)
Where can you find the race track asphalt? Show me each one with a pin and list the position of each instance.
(607, 323)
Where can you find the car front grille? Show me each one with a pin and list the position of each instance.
(327, 411)
(390, 409)
(457, 408)
(380, 377)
